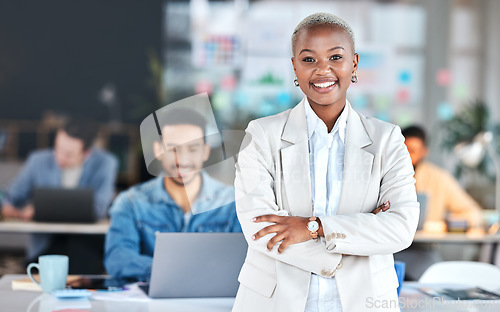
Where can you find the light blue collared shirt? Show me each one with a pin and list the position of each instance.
(326, 165)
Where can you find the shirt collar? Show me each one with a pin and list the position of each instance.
(314, 123)
(204, 196)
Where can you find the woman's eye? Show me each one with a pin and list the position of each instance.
(308, 59)
(335, 57)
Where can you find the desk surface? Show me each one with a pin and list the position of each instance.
(37, 301)
(411, 300)
(100, 227)
(422, 237)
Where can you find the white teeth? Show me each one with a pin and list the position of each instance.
(324, 84)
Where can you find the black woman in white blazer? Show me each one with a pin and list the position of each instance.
(273, 191)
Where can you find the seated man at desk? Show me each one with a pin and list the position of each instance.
(444, 193)
(72, 163)
(444, 196)
(184, 198)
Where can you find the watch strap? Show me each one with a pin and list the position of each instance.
(314, 234)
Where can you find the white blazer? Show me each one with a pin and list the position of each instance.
(272, 177)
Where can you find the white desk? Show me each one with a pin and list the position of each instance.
(488, 242)
(16, 235)
(100, 227)
(37, 301)
(455, 238)
(411, 300)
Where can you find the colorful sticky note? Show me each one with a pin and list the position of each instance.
(461, 91)
(403, 95)
(443, 77)
(445, 111)
(203, 86)
(382, 102)
(404, 119)
(220, 100)
(228, 82)
(266, 108)
(284, 99)
(241, 99)
(404, 77)
(360, 101)
(383, 116)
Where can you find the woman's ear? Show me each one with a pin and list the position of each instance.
(293, 64)
(355, 61)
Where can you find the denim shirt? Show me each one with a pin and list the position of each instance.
(141, 211)
(41, 170)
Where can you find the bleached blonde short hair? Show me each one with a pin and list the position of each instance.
(322, 18)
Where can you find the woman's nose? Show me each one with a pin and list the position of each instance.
(323, 67)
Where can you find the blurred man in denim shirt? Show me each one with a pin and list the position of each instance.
(183, 199)
(72, 163)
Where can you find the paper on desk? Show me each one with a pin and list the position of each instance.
(71, 304)
(49, 303)
(132, 293)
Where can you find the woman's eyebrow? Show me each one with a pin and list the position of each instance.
(312, 51)
(306, 50)
(337, 47)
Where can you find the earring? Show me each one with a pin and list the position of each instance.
(295, 81)
(354, 78)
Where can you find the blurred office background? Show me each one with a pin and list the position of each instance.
(429, 62)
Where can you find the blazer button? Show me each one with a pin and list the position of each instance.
(343, 236)
(328, 237)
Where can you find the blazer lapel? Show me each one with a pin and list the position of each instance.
(357, 165)
(295, 163)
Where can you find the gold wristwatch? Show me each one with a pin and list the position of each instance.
(313, 227)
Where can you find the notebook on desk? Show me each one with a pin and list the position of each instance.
(64, 205)
(196, 265)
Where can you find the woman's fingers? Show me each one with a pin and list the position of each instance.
(382, 208)
(289, 230)
(276, 239)
(268, 218)
(267, 230)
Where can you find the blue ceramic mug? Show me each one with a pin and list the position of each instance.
(53, 270)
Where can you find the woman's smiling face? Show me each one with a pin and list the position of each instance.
(324, 62)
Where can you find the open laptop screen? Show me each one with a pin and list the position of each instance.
(64, 205)
(196, 265)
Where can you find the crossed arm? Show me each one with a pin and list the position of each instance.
(292, 230)
(266, 225)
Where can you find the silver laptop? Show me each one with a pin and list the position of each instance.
(196, 265)
(64, 205)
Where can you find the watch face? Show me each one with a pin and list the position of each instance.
(313, 226)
